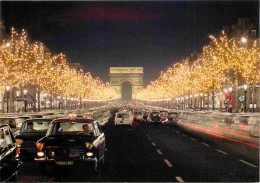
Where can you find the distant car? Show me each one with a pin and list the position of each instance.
(28, 137)
(124, 118)
(138, 116)
(164, 115)
(68, 143)
(173, 117)
(9, 155)
(154, 117)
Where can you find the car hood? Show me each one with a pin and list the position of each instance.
(67, 140)
(30, 136)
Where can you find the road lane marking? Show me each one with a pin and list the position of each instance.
(254, 166)
(167, 127)
(184, 135)
(159, 152)
(205, 144)
(153, 144)
(193, 139)
(223, 152)
(179, 179)
(168, 163)
(178, 132)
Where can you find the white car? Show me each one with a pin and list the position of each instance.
(124, 118)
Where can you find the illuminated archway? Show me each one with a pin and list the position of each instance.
(126, 91)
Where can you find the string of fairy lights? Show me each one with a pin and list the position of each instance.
(223, 61)
(23, 61)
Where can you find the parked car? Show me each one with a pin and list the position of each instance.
(9, 155)
(71, 141)
(124, 118)
(31, 131)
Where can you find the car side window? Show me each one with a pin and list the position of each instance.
(97, 129)
(5, 138)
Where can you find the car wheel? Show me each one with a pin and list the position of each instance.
(42, 168)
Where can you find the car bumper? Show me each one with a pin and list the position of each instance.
(123, 124)
(75, 161)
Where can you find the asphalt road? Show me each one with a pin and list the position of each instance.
(156, 154)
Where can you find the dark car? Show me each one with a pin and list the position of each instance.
(154, 117)
(9, 155)
(68, 143)
(31, 131)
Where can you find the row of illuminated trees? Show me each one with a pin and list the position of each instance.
(224, 62)
(24, 62)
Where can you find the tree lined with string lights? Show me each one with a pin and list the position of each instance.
(223, 61)
(23, 62)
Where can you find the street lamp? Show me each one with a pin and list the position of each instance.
(25, 99)
(243, 40)
(8, 44)
(7, 98)
(245, 90)
(230, 89)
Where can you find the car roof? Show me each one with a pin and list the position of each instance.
(3, 125)
(74, 120)
(40, 119)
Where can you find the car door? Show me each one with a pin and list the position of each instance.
(101, 139)
(8, 162)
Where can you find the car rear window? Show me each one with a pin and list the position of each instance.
(155, 114)
(122, 115)
(35, 126)
(69, 127)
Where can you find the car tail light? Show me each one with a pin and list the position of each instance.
(39, 145)
(123, 118)
(151, 120)
(143, 119)
(160, 120)
(17, 151)
(19, 141)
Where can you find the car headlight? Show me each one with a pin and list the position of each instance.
(89, 145)
(89, 153)
(40, 154)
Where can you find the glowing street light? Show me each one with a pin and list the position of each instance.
(243, 40)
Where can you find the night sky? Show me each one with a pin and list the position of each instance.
(99, 35)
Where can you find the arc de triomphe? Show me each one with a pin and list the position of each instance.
(126, 81)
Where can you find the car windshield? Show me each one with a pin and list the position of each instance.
(35, 126)
(123, 115)
(68, 127)
(155, 114)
